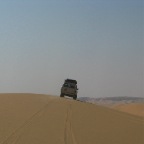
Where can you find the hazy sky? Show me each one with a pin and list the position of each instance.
(97, 42)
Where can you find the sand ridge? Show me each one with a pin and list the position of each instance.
(43, 119)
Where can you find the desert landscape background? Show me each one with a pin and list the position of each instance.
(98, 43)
(45, 119)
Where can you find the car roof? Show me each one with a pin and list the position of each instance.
(70, 81)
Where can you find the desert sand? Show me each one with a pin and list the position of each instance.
(43, 119)
(132, 108)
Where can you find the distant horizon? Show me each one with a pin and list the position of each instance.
(78, 96)
(115, 97)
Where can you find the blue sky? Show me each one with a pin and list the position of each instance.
(97, 42)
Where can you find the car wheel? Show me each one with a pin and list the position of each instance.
(61, 95)
(75, 97)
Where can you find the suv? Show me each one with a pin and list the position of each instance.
(69, 88)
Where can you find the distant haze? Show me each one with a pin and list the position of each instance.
(97, 42)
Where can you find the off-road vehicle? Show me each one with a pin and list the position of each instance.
(69, 88)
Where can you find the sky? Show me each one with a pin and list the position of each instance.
(97, 42)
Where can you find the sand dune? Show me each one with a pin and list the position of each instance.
(133, 108)
(42, 119)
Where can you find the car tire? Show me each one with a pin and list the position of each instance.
(61, 95)
(75, 97)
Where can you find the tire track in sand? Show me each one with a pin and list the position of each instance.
(69, 137)
(15, 135)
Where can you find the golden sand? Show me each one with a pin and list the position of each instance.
(43, 119)
(132, 108)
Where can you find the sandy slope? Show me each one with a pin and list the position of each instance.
(41, 119)
(132, 108)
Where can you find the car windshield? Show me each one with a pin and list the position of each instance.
(65, 85)
(71, 86)
(68, 85)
